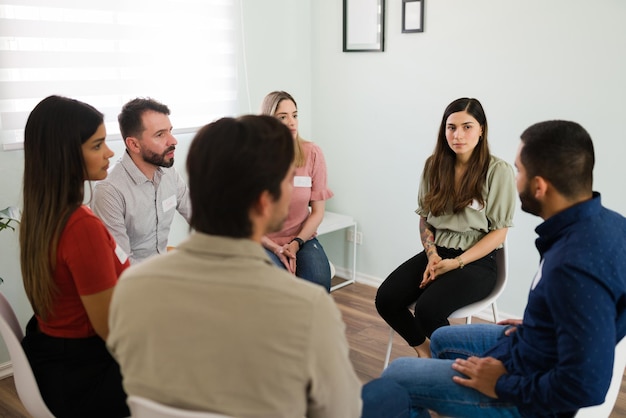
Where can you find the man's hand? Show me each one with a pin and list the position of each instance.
(482, 374)
(514, 324)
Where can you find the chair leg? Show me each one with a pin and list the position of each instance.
(494, 308)
(389, 345)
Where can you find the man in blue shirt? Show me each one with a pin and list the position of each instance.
(559, 358)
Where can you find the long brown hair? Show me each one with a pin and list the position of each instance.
(269, 106)
(54, 173)
(439, 167)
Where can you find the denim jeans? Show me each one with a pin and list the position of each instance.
(384, 398)
(429, 381)
(311, 263)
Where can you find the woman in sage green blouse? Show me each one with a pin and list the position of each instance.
(466, 204)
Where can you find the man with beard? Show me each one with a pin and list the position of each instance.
(214, 325)
(559, 358)
(138, 199)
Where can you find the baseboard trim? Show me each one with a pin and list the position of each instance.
(374, 281)
(6, 370)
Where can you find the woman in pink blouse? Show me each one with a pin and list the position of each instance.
(295, 247)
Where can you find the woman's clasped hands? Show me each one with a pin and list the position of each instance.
(287, 255)
(436, 267)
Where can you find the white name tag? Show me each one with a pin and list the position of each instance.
(537, 278)
(302, 181)
(476, 205)
(121, 254)
(169, 203)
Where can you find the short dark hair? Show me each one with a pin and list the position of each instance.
(562, 153)
(230, 163)
(129, 118)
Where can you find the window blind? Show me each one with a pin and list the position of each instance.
(106, 52)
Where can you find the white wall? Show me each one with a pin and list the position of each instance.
(276, 54)
(376, 114)
(11, 170)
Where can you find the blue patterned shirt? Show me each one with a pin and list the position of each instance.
(561, 358)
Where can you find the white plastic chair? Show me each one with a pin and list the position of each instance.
(25, 382)
(332, 269)
(604, 410)
(141, 407)
(502, 274)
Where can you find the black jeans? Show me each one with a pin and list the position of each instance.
(433, 304)
(77, 377)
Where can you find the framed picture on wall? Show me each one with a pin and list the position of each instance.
(363, 25)
(412, 16)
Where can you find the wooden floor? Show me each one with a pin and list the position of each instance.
(367, 335)
(10, 405)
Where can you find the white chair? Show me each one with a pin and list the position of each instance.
(25, 382)
(332, 270)
(604, 410)
(146, 408)
(502, 274)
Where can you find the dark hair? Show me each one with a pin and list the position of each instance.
(230, 163)
(129, 118)
(54, 175)
(562, 153)
(439, 167)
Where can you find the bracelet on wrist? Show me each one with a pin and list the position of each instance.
(300, 242)
(461, 263)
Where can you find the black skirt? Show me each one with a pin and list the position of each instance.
(77, 377)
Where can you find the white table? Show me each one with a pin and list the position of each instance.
(334, 222)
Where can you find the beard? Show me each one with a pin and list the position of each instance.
(529, 203)
(158, 159)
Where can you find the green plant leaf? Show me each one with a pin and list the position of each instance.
(8, 215)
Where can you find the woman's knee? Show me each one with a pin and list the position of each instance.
(386, 300)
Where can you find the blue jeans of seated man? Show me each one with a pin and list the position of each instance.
(311, 263)
(384, 398)
(429, 381)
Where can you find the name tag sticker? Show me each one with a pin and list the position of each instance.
(302, 181)
(476, 205)
(169, 203)
(121, 254)
(537, 278)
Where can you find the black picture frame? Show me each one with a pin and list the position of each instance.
(363, 25)
(412, 16)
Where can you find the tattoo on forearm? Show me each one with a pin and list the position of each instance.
(428, 238)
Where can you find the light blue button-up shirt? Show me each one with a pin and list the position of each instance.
(139, 211)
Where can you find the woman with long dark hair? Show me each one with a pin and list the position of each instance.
(70, 263)
(466, 204)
